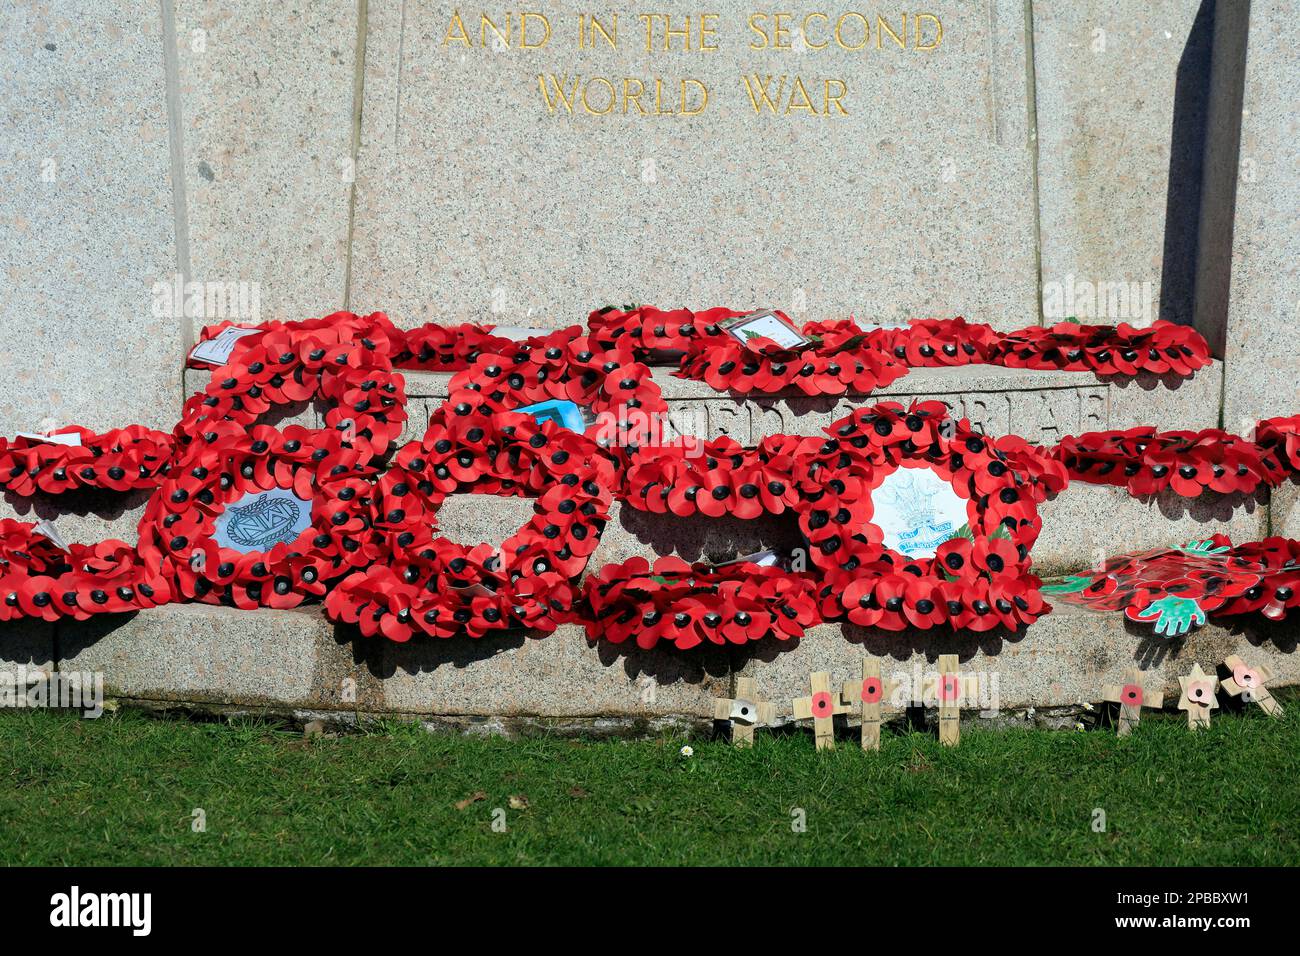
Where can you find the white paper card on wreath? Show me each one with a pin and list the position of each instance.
(45, 528)
(765, 324)
(764, 559)
(883, 324)
(72, 439)
(216, 350)
(519, 333)
(918, 511)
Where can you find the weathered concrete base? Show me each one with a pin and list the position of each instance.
(337, 723)
(1284, 509)
(295, 663)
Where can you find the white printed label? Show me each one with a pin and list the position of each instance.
(217, 349)
(67, 438)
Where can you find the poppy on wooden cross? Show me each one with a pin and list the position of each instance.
(822, 706)
(744, 712)
(1132, 696)
(1198, 696)
(869, 692)
(1248, 683)
(950, 694)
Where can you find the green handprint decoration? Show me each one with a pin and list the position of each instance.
(1202, 548)
(1072, 584)
(1173, 616)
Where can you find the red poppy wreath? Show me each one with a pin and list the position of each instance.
(39, 579)
(431, 585)
(267, 518)
(615, 391)
(976, 579)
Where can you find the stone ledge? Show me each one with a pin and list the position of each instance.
(292, 661)
(1041, 406)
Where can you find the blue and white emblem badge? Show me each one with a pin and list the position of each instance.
(918, 511)
(261, 520)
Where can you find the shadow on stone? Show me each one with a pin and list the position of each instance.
(664, 663)
(710, 539)
(1210, 506)
(1187, 141)
(422, 654)
(1259, 631)
(73, 637)
(899, 645)
(84, 502)
(1148, 381)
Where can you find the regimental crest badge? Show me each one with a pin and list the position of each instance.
(260, 521)
(918, 511)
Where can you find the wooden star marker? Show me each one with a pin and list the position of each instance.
(744, 712)
(1248, 683)
(869, 693)
(949, 701)
(1198, 696)
(821, 706)
(1132, 696)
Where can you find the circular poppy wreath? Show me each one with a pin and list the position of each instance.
(707, 353)
(38, 579)
(1280, 437)
(615, 391)
(1147, 461)
(343, 358)
(435, 586)
(281, 564)
(976, 580)
(122, 459)
(717, 477)
(690, 604)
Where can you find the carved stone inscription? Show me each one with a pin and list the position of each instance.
(1043, 416)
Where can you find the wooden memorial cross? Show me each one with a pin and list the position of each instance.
(1248, 683)
(949, 691)
(1132, 696)
(1198, 696)
(869, 692)
(744, 712)
(822, 706)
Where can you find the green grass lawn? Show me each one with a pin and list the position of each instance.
(123, 790)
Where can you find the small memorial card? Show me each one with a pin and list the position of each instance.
(764, 559)
(765, 324)
(216, 350)
(519, 333)
(886, 324)
(66, 438)
(918, 511)
(46, 528)
(475, 590)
